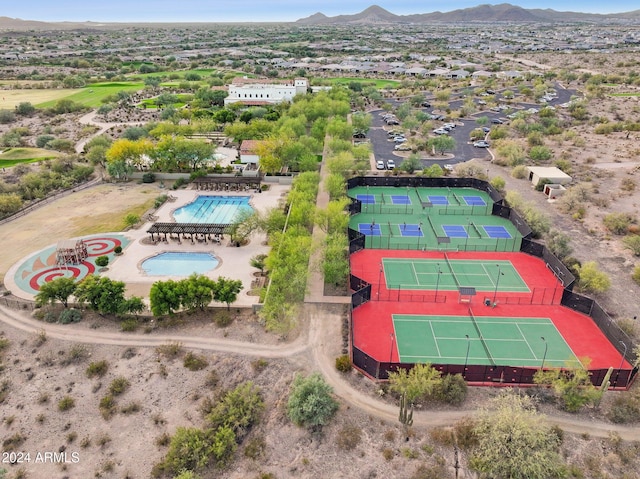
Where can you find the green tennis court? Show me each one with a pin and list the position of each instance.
(445, 275)
(488, 340)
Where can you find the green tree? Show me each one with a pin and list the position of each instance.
(334, 217)
(239, 409)
(164, 297)
(196, 291)
(58, 289)
(419, 382)
(572, 385)
(311, 403)
(442, 143)
(592, 280)
(104, 295)
(190, 449)
(258, 262)
(411, 164)
(540, 153)
(335, 264)
(102, 261)
(558, 243)
(336, 185)
(226, 290)
(513, 442)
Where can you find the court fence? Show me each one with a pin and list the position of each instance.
(479, 374)
(361, 241)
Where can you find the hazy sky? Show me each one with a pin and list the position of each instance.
(259, 10)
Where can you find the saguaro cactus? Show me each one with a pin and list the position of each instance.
(406, 413)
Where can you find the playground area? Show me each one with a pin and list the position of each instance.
(26, 276)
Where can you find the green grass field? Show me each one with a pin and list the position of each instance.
(376, 83)
(92, 95)
(15, 156)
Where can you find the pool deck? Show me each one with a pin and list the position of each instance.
(234, 261)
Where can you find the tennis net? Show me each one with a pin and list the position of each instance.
(476, 229)
(446, 258)
(484, 344)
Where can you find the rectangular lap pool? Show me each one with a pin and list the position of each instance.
(212, 209)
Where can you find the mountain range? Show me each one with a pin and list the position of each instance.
(375, 14)
(504, 12)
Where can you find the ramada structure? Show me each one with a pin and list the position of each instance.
(444, 272)
(255, 92)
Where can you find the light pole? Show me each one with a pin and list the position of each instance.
(379, 278)
(466, 238)
(495, 293)
(544, 356)
(419, 234)
(621, 363)
(391, 350)
(437, 281)
(466, 358)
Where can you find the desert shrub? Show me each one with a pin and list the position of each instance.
(212, 380)
(349, 436)
(519, 172)
(159, 201)
(129, 325)
(625, 409)
(43, 140)
(12, 442)
(7, 116)
(97, 369)
(633, 243)
(131, 408)
(170, 350)
(452, 389)
(592, 280)
(388, 453)
(107, 407)
(311, 403)
(635, 276)
(70, 315)
(618, 223)
(222, 318)
(343, 363)
(498, 183)
(148, 178)
(195, 362)
(119, 385)
(77, 354)
(255, 448)
(66, 403)
(436, 471)
(117, 249)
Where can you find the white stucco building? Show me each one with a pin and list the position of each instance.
(250, 91)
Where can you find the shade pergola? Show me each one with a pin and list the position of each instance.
(206, 231)
(227, 183)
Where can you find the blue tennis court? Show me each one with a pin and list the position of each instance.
(410, 230)
(497, 232)
(369, 229)
(366, 199)
(438, 200)
(400, 200)
(474, 201)
(455, 231)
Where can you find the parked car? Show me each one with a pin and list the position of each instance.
(399, 139)
(486, 129)
(448, 167)
(497, 121)
(380, 165)
(481, 144)
(426, 104)
(391, 164)
(402, 147)
(440, 131)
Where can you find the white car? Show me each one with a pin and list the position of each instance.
(402, 147)
(391, 164)
(440, 131)
(380, 165)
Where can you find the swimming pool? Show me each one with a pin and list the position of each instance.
(179, 264)
(212, 209)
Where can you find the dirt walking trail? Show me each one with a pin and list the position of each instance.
(317, 347)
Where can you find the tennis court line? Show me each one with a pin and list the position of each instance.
(493, 284)
(435, 339)
(525, 340)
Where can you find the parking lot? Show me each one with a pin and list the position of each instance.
(396, 147)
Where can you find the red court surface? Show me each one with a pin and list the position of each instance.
(373, 325)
